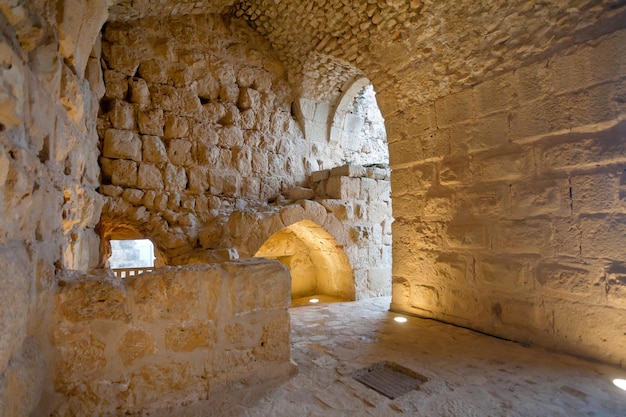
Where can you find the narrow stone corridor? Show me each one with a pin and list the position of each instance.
(469, 374)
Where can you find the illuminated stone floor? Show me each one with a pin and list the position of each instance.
(469, 374)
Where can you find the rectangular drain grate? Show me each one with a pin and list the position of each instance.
(389, 379)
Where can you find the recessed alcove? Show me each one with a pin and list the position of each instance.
(319, 267)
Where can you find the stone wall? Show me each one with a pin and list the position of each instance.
(510, 209)
(196, 124)
(50, 83)
(494, 112)
(200, 151)
(168, 337)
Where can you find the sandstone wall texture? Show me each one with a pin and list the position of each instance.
(175, 335)
(509, 206)
(505, 133)
(505, 124)
(50, 84)
(200, 150)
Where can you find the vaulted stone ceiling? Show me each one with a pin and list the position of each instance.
(413, 50)
(136, 9)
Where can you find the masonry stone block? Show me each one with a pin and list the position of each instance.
(599, 234)
(523, 236)
(149, 177)
(248, 99)
(597, 193)
(122, 115)
(228, 93)
(318, 176)
(495, 95)
(122, 144)
(133, 195)
(198, 179)
(174, 178)
(354, 171)
(343, 188)
(231, 115)
(139, 92)
(151, 122)
(165, 97)
(504, 166)
(455, 108)
(124, 172)
(569, 277)
(175, 127)
(179, 152)
(191, 335)
(208, 88)
(153, 149)
(116, 85)
(301, 193)
(541, 197)
(154, 71)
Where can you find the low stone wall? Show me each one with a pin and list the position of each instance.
(173, 335)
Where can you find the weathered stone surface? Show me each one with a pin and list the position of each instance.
(246, 293)
(151, 122)
(122, 144)
(153, 149)
(511, 97)
(135, 344)
(139, 92)
(149, 177)
(183, 313)
(189, 336)
(343, 188)
(124, 173)
(89, 300)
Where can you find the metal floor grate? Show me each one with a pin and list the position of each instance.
(389, 379)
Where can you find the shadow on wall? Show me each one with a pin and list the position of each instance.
(317, 262)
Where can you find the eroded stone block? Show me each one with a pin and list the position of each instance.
(123, 144)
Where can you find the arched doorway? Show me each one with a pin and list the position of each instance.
(319, 267)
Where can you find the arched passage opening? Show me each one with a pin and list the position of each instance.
(124, 250)
(319, 267)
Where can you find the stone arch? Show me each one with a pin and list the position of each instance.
(338, 117)
(124, 232)
(317, 262)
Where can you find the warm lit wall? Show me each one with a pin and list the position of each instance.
(196, 124)
(494, 111)
(317, 263)
(50, 84)
(167, 337)
(200, 151)
(513, 221)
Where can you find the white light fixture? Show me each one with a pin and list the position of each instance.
(400, 319)
(314, 300)
(620, 383)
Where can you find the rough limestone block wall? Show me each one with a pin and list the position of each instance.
(510, 206)
(50, 83)
(360, 198)
(200, 150)
(195, 125)
(167, 337)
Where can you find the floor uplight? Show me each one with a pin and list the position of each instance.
(400, 319)
(314, 300)
(620, 383)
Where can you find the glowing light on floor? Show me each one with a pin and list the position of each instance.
(620, 383)
(314, 300)
(400, 319)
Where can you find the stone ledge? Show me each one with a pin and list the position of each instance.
(176, 334)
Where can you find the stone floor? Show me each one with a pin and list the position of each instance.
(469, 374)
